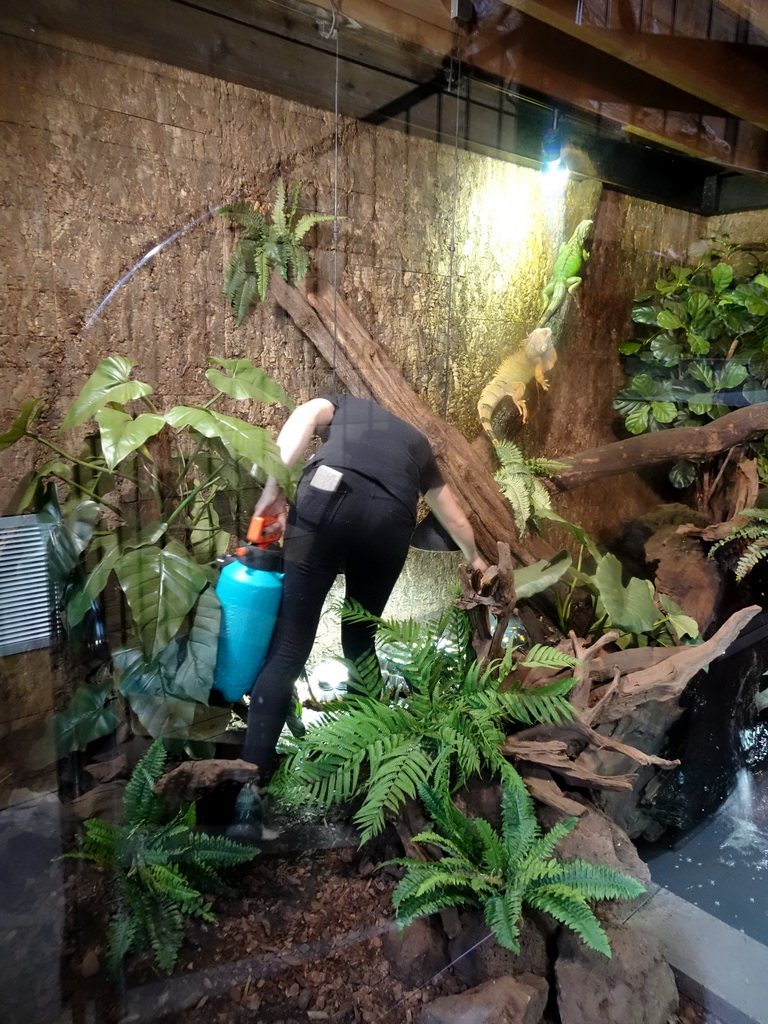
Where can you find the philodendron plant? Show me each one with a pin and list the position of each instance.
(152, 497)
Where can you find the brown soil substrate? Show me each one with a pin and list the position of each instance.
(301, 943)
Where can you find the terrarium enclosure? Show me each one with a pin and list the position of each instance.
(445, 248)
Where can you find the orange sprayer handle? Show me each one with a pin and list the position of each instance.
(256, 529)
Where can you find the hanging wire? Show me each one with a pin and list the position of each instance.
(455, 62)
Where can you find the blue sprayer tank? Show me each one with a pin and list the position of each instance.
(249, 589)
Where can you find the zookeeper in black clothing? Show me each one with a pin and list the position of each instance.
(355, 511)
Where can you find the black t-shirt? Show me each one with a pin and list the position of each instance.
(368, 440)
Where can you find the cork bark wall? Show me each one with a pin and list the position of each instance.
(441, 255)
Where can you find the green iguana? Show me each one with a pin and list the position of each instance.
(565, 272)
(534, 358)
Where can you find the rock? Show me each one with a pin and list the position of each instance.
(686, 575)
(480, 799)
(634, 986)
(504, 1000)
(475, 960)
(416, 955)
(598, 839)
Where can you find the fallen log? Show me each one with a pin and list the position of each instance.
(368, 372)
(662, 446)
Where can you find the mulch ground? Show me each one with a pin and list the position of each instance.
(301, 943)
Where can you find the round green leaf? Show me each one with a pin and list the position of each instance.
(644, 314)
(682, 474)
(669, 321)
(722, 275)
(664, 412)
(637, 421)
(644, 385)
(698, 345)
(697, 303)
(666, 350)
(701, 405)
(731, 376)
(630, 347)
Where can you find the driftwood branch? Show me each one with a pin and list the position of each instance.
(367, 371)
(669, 678)
(191, 779)
(494, 594)
(543, 788)
(662, 446)
(553, 755)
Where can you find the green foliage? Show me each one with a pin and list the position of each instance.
(263, 245)
(701, 343)
(517, 478)
(161, 868)
(445, 726)
(502, 872)
(630, 605)
(149, 499)
(752, 536)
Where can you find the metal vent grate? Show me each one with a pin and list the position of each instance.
(25, 596)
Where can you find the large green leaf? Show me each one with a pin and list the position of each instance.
(81, 601)
(161, 586)
(195, 674)
(90, 715)
(154, 677)
(69, 535)
(578, 533)
(30, 410)
(121, 434)
(533, 579)
(163, 716)
(241, 439)
(630, 608)
(682, 625)
(109, 382)
(244, 380)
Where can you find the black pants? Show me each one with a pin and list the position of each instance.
(361, 531)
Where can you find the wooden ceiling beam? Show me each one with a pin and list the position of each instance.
(741, 82)
(753, 11)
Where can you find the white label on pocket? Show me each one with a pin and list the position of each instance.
(326, 479)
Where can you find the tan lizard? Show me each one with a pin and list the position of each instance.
(534, 358)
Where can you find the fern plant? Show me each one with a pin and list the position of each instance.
(265, 244)
(502, 872)
(755, 534)
(161, 868)
(446, 725)
(518, 479)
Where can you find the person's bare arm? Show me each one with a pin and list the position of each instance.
(442, 501)
(292, 441)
